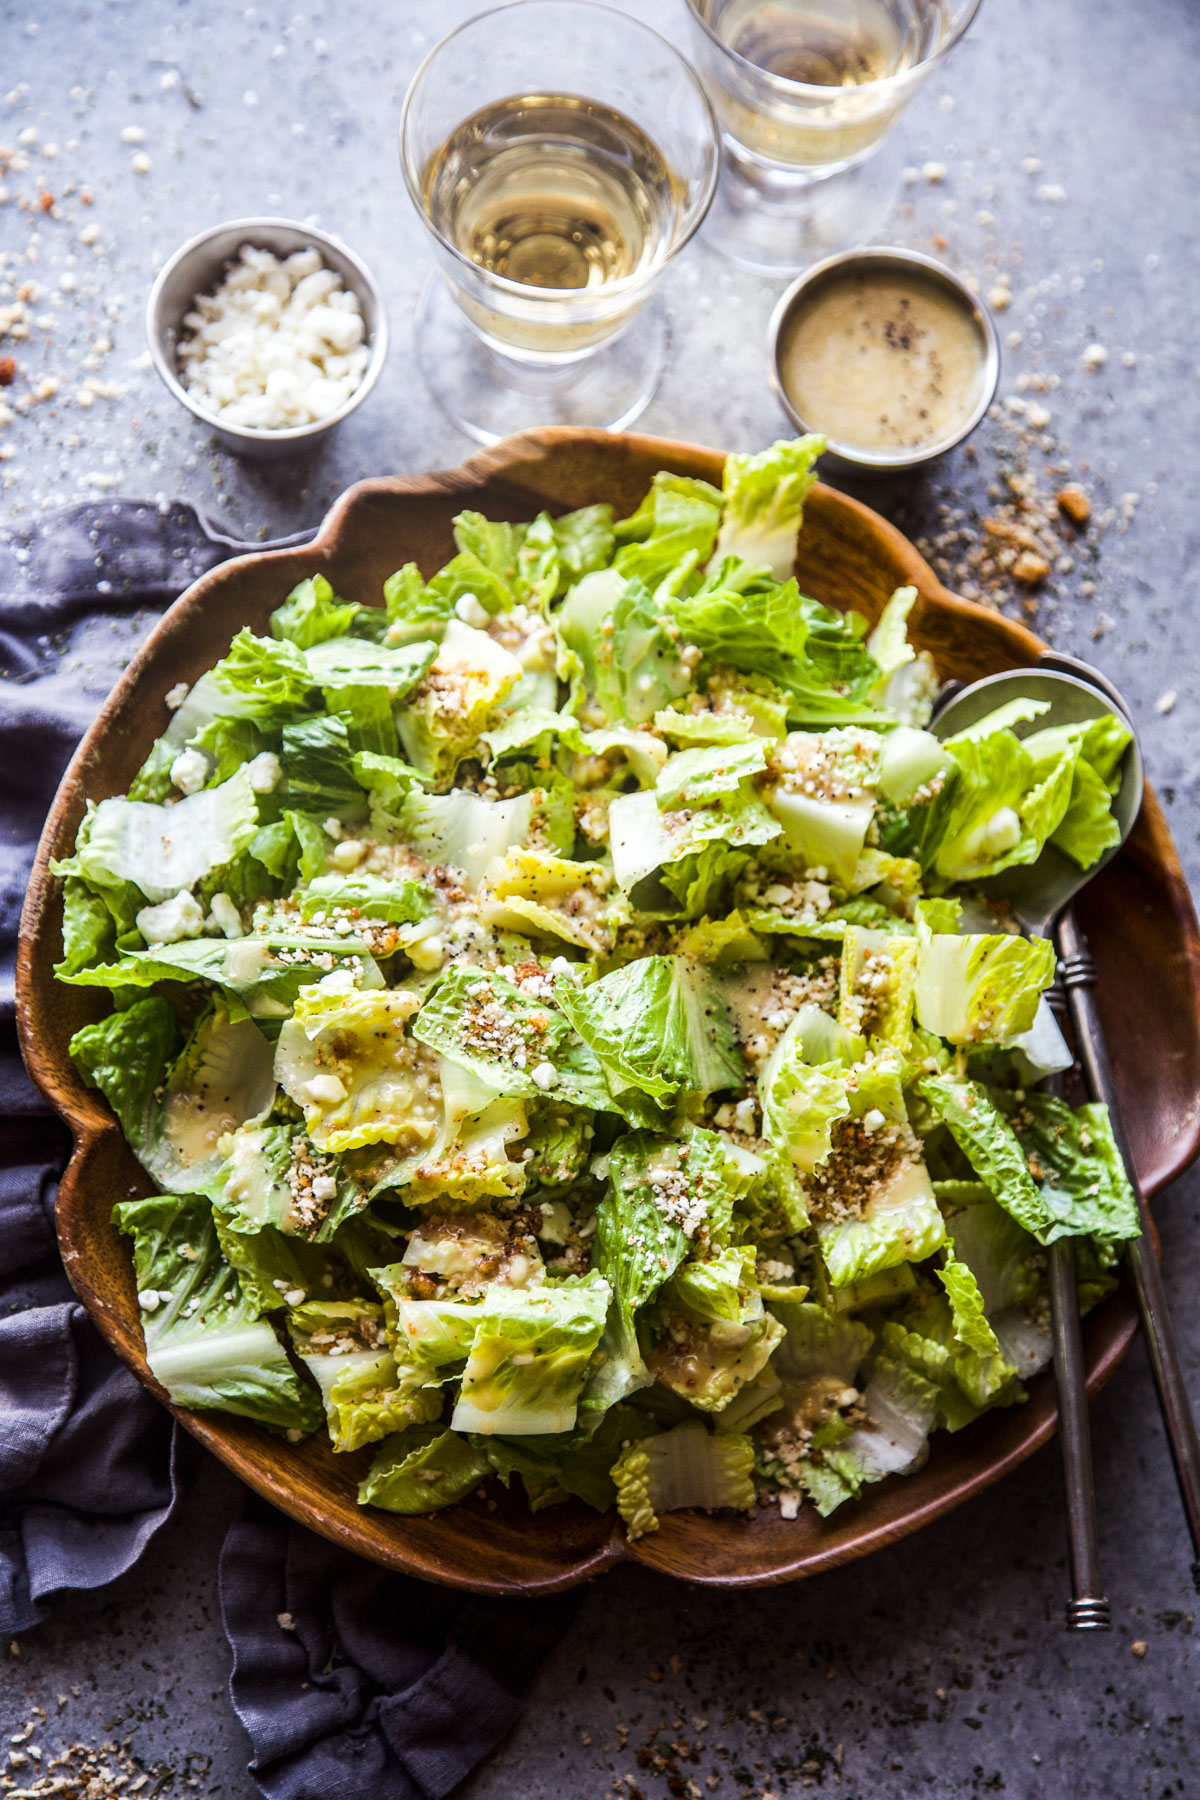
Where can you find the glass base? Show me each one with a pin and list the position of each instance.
(779, 222)
(489, 395)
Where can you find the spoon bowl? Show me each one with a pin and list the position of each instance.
(1038, 892)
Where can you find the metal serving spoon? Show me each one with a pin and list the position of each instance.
(1040, 894)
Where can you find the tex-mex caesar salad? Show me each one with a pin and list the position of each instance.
(556, 1014)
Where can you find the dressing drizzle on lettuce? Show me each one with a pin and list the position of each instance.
(566, 1046)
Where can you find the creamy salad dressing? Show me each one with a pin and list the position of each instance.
(883, 360)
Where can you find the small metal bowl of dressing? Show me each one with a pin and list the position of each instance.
(199, 266)
(887, 353)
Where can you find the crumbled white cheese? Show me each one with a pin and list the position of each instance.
(295, 1296)
(149, 1299)
(189, 771)
(470, 612)
(347, 855)
(265, 771)
(323, 1090)
(224, 915)
(426, 952)
(279, 344)
(340, 981)
(171, 920)
(176, 696)
(544, 1075)
(324, 1187)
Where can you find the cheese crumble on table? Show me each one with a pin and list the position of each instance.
(280, 343)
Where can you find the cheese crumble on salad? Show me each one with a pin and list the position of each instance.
(557, 1015)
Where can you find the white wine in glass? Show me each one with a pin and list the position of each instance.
(561, 153)
(552, 190)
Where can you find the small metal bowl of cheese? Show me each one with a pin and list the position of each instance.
(269, 332)
(887, 353)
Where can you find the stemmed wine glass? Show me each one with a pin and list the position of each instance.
(560, 154)
(806, 92)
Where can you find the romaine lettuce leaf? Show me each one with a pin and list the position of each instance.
(659, 1025)
(422, 1469)
(391, 901)
(1009, 1269)
(175, 1110)
(740, 617)
(267, 678)
(676, 522)
(343, 1347)
(346, 1058)
(355, 662)
(824, 796)
(715, 1334)
(464, 831)
(619, 650)
(802, 1089)
(320, 778)
(637, 1246)
(981, 989)
(973, 828)
(1087, 827)
(164, 850)
(1079, 1169)
(204, 1343)
(513, 1040)
(687, 1466)
(763, 503)
(469, 1161)
(987, 1140)
(312, 613)
(530, 1355)
(645, 840)
(547, 896)
(451, 708)
(704, 776)
(99, 924)
(898, 1221)
(413, 610)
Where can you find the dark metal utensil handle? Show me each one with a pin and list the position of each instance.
(1087, 1609)
(1079, 976)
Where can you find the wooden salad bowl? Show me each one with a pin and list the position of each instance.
(1138, 917)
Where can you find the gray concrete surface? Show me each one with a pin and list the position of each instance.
(938, 1667)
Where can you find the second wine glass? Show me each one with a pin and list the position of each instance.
(560, 154)
(807, 92)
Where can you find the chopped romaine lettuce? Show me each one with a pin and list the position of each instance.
(557, 997)
(764, 503)
(981, 989)
(421, 1470)
(688, 1466)
(204, 1342)
(529, 1357)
